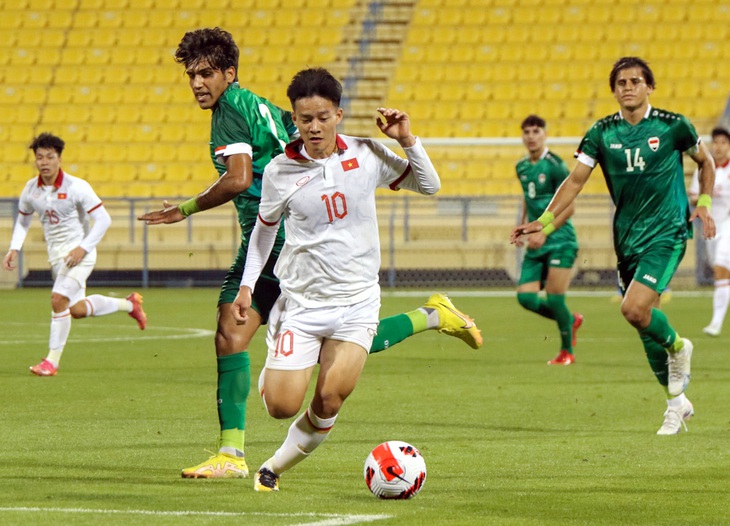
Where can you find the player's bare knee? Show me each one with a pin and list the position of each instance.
(281, 411)
(78, 311)
(227, 343)
(58, 303)
(634, 314)
(328, 405)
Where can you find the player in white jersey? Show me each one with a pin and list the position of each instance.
(718, 249)
(324, 188)
(65, 205)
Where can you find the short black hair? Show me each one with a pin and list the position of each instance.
(48, 140)
(533, 120)
(719, 130)
(314, 82)
(631, 62)
(212, 44)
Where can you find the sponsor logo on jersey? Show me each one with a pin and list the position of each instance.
(350, 164)
(649, 278)
(654, 143)
(62, 196)
(304, 180)
(541, 178)
(616, 146)
(555, 262)
(524, 177)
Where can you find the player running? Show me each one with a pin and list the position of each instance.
(247, 131)
(639, 149)
(551, 253)
(65, 205)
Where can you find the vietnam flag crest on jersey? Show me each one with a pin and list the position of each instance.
(62, 196)
(350, 164)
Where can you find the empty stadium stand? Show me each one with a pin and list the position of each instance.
(100, 73)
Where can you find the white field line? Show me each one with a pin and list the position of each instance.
(169, 333)
(327, 519)
(387, 293)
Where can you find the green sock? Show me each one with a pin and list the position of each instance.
(395, 329)
(234, 383)
(657, 356)
(661, 332)
(557, 304)
(532, 302)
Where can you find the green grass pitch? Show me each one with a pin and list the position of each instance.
(507, 439)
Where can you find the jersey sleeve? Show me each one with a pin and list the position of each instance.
(289, 125)
(231, 135)
(25, 207)
(685, 135)
(271, 207)
(588, 151)
(392, 169)
(560, 173)
(86, 197)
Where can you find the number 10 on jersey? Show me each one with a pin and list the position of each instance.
(336, 205)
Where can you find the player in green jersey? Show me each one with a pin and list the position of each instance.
(247, 131)
(640, 151)
(551, 253)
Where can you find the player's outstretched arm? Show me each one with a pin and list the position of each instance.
(706, 175)
(236, 179)
(169, 214)
(562, 201)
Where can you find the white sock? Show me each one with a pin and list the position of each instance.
(305, 434)
(677, 401)
(60, 327)
(98, 305)
(720, 300)
(432, 317)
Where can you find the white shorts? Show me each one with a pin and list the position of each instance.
(71, 282)
(295, 334)
(718, 249)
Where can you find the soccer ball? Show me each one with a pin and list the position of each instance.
(395, 470)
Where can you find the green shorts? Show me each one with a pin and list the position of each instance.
(653, 268)
(536, 264)
(267, 286)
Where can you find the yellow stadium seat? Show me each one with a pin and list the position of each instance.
(135, 18)
(493, 34)
(140, 153)
(496, 109)
(499, 16)
(542, 33)
(104, 114)
(424, 16)
(556, 91)
(56, 114)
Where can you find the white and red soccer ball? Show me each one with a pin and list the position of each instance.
(395, 470)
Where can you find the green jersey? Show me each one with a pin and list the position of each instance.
(243, 122)
(642, 165)
(540, 180)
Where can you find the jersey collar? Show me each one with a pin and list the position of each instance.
(646, 115)
(723, 165)
(57, 183)
(293, 149)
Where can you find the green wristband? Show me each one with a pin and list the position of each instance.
(546, 218)
(188, 207)
(549, 229)
(705, 200)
